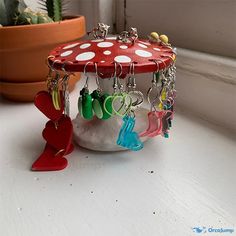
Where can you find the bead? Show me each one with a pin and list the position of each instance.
(154, 35)
(87, 106)
(166, 135)
(164, 38)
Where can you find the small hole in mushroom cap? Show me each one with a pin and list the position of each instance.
(152, 59)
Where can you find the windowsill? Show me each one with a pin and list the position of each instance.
(192, 184)
(206, 86)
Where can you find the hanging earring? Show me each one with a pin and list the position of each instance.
(65, 91)
(98, 100)
(169, 85)
(127, 137)
(54, 88)
(85, 100)
(120, 100)
(154, 117)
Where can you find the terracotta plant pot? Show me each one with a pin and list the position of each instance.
(23, 51)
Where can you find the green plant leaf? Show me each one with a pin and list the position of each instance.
(57, 10)
(3, 15)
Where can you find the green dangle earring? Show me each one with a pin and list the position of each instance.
(98, 100)
(85, 100)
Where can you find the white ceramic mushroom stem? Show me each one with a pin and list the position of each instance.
(101, 135)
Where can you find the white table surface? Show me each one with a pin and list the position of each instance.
(116, 194)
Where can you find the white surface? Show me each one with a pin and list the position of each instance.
(106, 194)
(207, 85)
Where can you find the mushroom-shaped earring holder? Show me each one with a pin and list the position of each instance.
(109, 58)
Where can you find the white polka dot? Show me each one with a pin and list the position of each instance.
(71, 45)
(66, 53)
(157, 49)
(85, 45)
(102, 61)
(85, 56)
(143, 53)
(145, 43)
(97, 40)
(123, 46)
(122, 59)
(142, 45)
(107, 52)
(105, 44)
(111, 38)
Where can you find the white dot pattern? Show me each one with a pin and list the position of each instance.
(146, 43)
(143, 53)
(111, 38)
(123, 46)
(66, 53)
(97, 40)
(107, 52)
(142, 45)
(122, 59)
(71, 46)
(105, 44)
(85, 56)
(85, 45)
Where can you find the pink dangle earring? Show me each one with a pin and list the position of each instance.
(154, 116)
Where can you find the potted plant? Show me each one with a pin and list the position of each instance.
(26, 38)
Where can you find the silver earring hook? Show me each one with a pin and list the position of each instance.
(131, 79)
(157, 65)
(67, 73)
(115, 69)
(131, 68)
(63, 68)
(85, 72)
(97, 76)
(65, 89)
(118, 77)
(52, 66)
(159, 59)
(172, 59)
(47, 61)
(117, 84)
(86, 75)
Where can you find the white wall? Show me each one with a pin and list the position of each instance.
(201, 25)
(33, 4)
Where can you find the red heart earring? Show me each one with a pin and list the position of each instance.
(43, 101)
(49, 160)
(59, 134)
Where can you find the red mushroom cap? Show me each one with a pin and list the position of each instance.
(75, 56)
